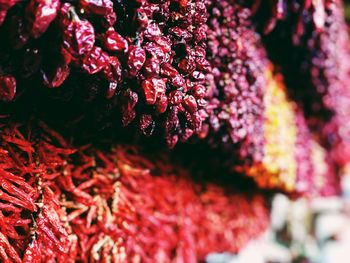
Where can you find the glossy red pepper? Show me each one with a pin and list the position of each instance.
(153, 88)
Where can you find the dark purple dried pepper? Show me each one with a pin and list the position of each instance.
(7, 88)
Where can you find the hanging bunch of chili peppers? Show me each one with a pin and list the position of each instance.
(316, 34)
(173, 69)
(120, 204)
(144, 61)
(237, 82)
(291, 155)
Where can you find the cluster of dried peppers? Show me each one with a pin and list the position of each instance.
(237, 82)
(143, 60)
(175, 68)
(292, 158)
(317, 67)
(119, 204)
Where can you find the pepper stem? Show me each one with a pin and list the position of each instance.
(72, 14)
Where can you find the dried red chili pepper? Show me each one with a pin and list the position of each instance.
(99, 7)
(96, 61)
(40, 14)
(9, 250)
(18, 193)
(136, 59)
(23, 203)
(60, 75)
(7, 88)
(32, 253)
(114, 41)
(153, 89)
(113, 72)
(78, 35)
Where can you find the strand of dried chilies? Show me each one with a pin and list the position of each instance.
(316, 34)
(117, 205)
(292, 158)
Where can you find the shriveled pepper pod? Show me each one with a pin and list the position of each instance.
(7, 88)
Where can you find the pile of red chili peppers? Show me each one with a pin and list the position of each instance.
(60, 203)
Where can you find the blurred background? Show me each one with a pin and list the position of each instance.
(301, 231)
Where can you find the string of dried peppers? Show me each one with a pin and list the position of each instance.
(60, 203)
(316, 68)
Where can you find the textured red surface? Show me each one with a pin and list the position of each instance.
(63, 203)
